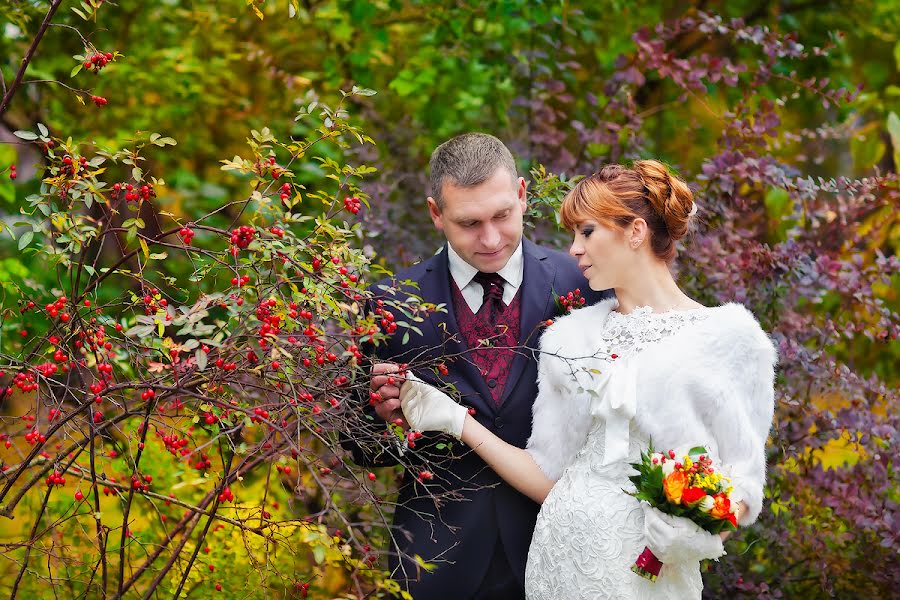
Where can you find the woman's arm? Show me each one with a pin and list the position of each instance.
(512, 463)
(428, 409)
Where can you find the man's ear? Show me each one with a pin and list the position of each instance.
(435, 211)
(521, 187)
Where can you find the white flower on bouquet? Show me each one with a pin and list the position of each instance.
(668, 467)
(706, 504)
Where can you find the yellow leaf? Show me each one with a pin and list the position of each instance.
(145, 248)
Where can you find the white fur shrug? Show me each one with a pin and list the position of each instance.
(710, 383)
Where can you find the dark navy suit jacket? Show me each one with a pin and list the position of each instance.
(459, 536)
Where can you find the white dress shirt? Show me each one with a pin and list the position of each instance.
(473, 292)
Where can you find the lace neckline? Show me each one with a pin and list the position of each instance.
(647, 311)
(627, 334)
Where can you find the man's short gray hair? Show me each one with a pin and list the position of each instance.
(468, 160)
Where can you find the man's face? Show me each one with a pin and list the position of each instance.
(483, 223)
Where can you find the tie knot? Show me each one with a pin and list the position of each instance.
(492, 284)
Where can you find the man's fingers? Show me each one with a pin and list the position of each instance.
(380, 381)
(377, 382)
(389, 409)
(384, 368)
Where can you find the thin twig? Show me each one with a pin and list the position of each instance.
(7, 98)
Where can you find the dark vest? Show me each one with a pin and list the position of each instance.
(491, 348)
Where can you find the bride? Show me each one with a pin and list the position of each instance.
(651, 365)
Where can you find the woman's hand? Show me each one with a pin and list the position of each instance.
(429, 409)
(677, 539)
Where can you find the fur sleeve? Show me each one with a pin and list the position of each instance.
(742, 428)
(560, 419)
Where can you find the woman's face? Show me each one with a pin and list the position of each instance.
(603, 254)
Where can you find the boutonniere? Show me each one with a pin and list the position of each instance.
(568, 302)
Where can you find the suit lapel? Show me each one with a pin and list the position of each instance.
(535, 296)
(435, 288)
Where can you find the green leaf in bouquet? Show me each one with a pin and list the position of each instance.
(697, 451)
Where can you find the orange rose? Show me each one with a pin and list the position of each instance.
(692, 495)
(721, 506)
(673, 486)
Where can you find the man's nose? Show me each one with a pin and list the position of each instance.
(490, 237)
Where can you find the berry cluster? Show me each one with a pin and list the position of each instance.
(70, 167)
(53, 309)
(96, 62)
(99, 100)
(240, 281)
(242, 236)
(12, 172)
(226, 495)
(352, 204)
(56, 478)
(571, 301)
(34, 437)
(133, 194)
(285, 191)
(187, 234)
(202, 464)
(141, 486)
(387, 318)
(174, 445)
(153, 302)
(24, 381)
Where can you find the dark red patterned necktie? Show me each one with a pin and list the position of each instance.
(493, 294)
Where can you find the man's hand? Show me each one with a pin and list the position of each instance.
(385, 381)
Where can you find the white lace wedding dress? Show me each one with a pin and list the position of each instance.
(589, 531)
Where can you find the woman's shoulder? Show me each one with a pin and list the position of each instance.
(579, 325)
(732, 329)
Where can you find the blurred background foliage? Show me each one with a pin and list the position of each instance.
(535, 73)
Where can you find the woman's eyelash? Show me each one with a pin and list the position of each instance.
(587, 231)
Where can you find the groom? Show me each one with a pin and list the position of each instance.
(499, 286)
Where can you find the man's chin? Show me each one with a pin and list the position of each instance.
(490, 263)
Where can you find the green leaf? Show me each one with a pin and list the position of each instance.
(25, 135)
(75, 70)
(893, 127)
(25, 239)
(866, 150)
(43, 129)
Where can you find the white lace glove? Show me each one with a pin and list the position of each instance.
(677, 539)
(428, 409)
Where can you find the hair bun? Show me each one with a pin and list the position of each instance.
(669, 195)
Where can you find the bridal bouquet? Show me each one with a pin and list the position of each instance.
(682, 485)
